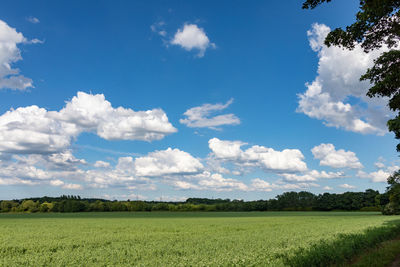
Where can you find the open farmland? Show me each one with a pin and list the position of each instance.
(175, 239)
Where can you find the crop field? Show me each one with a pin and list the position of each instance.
(185, 239)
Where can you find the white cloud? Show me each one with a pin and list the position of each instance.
(262, 185)
(297, 186)
(208, 181)
(101, 164)
(199, 117)
(35, 130)
(329, 96)
(9, 54)
(16, 181)
(66, 186)
(33, 20)
(73, 186)
(328, 188)
(217, 182)
(329, 156)
(381, 175)
(64, 160)
(313, 175)
(94, 113)
(34, 41)
(59, 170)
(192, 37)
(379, 165)
(347, 186)
(288, 160)
(23, 171)
(167, 162)
(32, 130)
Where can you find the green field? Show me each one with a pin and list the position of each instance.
(176, 239)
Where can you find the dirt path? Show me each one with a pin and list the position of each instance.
(396, 263)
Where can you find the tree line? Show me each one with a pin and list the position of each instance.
(370, 200)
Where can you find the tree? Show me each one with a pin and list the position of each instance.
(30, 206)
(6, 206)
(393, 190)
(377, 24)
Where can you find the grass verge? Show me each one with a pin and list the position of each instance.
(384, 255)
(344, 248)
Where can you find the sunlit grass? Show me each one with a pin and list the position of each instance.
(172, 239)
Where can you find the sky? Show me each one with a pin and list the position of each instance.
(174, 99)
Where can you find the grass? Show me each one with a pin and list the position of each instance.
(186, 239)
(383, 255)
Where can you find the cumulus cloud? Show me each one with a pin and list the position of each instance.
(217, 182)
(63, 160)
(66, 185)
(9, 54)
(329, 156)
(262, 185)
(381, 175)
(347, 186)
(167, 162)
(101, 164)
(327, 188)
(313, 175)
(16, 181)
(34, 130)
(94, 113)
(287, 160)
(209, 181)
(336, 96)
(192, 37)
(199, 117)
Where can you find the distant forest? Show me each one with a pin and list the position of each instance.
(370, 200)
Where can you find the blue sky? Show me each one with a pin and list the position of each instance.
(245, 95)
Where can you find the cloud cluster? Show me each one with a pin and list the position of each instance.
(329, 156)
(9, 54)
(34, 130)
(347, 186)
(192, 37)
(199, 117)
(40, 170)
(167, 162)
(337, 96)
(172, 167)
(381, 175)
(262, 185)
(287, 160)
(209, 181)
(313, 175)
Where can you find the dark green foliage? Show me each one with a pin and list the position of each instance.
(382, 256)
(377, 23)
(288, 201)
(393, 191)
(343, 248)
